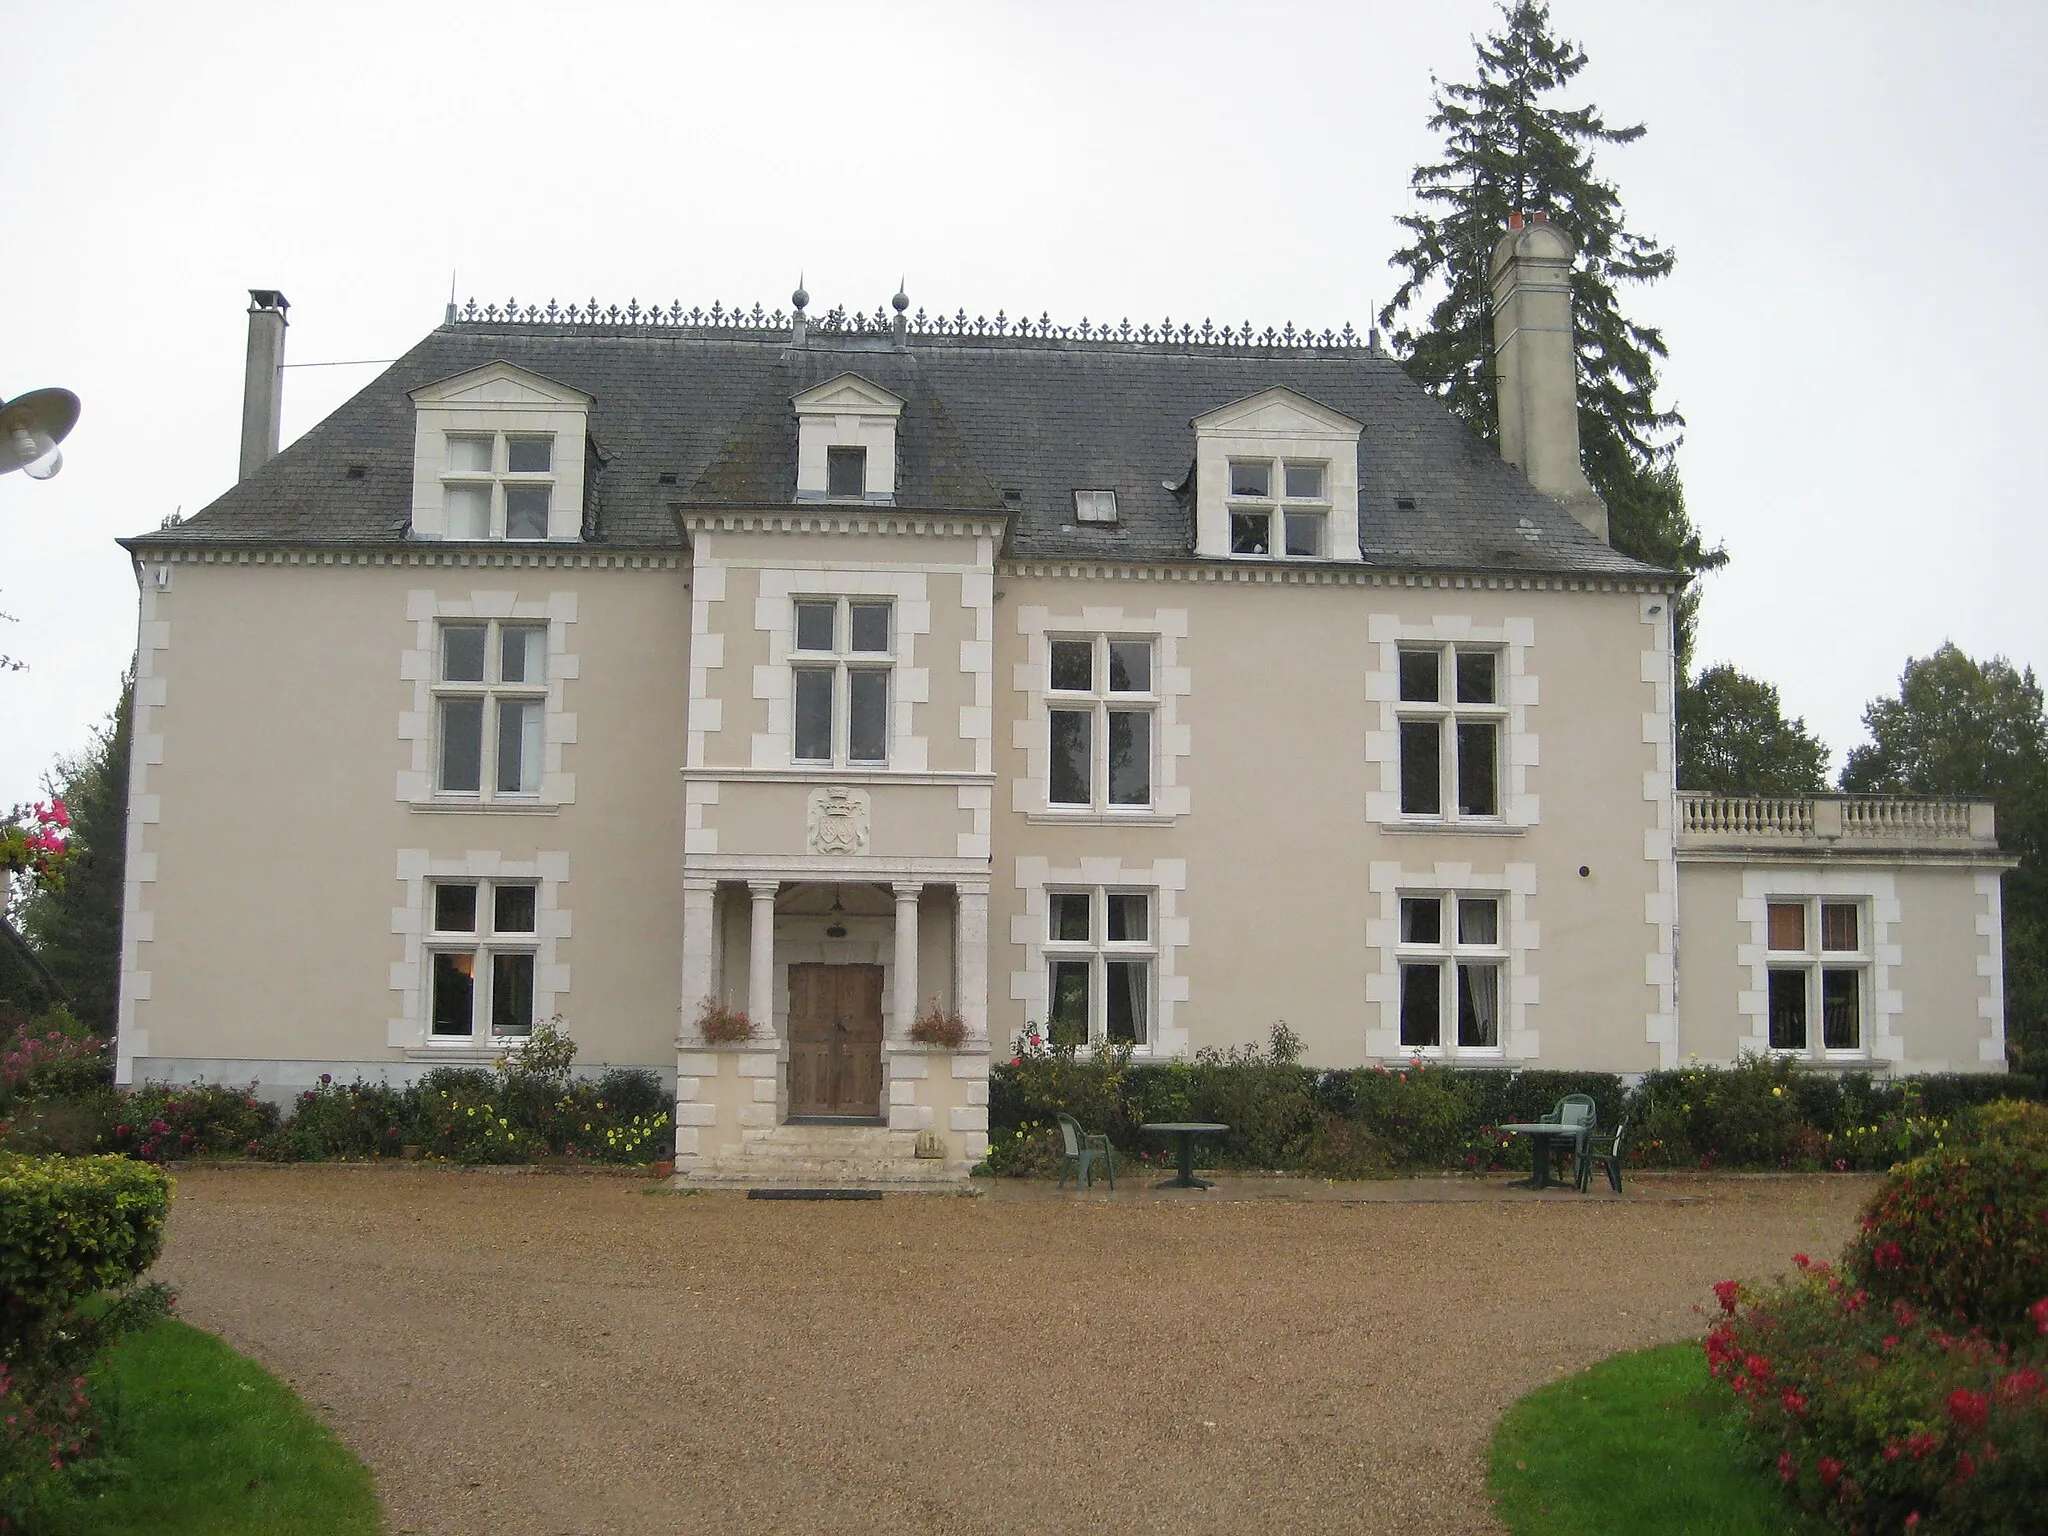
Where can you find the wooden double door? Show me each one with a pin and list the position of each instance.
(835, 1040)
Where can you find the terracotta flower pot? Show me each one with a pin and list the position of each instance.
(664, 1167)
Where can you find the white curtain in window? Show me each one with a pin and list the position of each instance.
(1482, 987)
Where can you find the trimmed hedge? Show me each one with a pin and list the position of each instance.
(71, 1227)
(1762, 1113)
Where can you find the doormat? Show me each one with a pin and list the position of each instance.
(814, 1194)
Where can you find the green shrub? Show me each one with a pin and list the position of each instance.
(76, 1126)
(1962, 1234)
(2018, 1121)
(1880, 1418)
(457, 1115)
(634, 1091)
(70, 1229)
(165, 1122)
(1747, 1116)
(332, 1119)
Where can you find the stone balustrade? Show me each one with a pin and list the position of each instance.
(1841, 823)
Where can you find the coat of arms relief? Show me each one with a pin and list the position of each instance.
(839, 820)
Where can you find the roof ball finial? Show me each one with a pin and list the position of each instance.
(902, 300)
(800, 298)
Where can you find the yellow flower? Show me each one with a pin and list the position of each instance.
(1777, 1093)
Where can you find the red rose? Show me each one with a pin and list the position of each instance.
(1830, 1471)
(1969, 1409)
(1729, 1292)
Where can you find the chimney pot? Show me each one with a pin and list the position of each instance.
(1514, 221)
(1539, 217)
(263, 379)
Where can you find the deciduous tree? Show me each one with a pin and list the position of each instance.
(1733, 737)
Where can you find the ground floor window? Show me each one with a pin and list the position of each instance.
(1453, 954)
(1818, 965)
(482, 940)
(1100, 958)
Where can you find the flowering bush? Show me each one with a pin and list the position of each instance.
(164, 1122)
(1880, 1417)
(333, 1119)
(36, 842)
(1961, 1234)
(51, 1064)
(720, 1025)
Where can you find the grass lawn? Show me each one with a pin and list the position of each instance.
(1634, 1444)
(207, 1443)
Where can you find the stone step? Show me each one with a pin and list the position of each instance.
(929, 1175)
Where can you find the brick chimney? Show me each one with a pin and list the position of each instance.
(1537, 365)
(263, 382)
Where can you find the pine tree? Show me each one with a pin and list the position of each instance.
(1509, 150)
(76, 928)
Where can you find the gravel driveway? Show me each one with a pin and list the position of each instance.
(553, 1355)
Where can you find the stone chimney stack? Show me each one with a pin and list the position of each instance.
(1537, 365)
(263, 382)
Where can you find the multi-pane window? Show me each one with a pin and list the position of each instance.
(498, 485)
(1818, 965)
(1100, 950)
(482, 938)
(840, 685)
(1102, 702)
(1451, 717)
(1279, 507)
(846, 473)
(490, 701)
(1452, 956)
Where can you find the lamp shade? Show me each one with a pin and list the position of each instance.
(31, 427)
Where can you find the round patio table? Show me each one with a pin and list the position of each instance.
(1186, 1131)
(1543, 1135)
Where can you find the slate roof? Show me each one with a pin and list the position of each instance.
(688, 418)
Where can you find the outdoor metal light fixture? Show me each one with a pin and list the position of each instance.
(836, 929)
(31, 427)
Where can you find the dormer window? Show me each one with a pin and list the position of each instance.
(846, 473)
(1095, 507)
(482, 501)
(846, 441)
(498, 454)
(1276, 478)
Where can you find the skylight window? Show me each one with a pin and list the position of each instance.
(1095, 507)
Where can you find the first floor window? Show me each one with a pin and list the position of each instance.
(840, 700)
(1452, 956)
(1099, 956)
(1817, 958)
(1450, 730)
(482, 937)
(490, 703)
(1100, 701)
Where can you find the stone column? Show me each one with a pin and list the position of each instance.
(700, 942)
(970, 958)
(905, 992)
(761, 956)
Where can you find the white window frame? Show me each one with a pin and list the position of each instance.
(842, 661)
(1811, 962)
(1447, 714)
(1099, 703)
(1279, 506)
(500, 477)
(1098, 951)
(1447, 955)
(483, 944)
(493, 694)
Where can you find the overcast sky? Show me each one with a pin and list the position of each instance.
(1856, 321)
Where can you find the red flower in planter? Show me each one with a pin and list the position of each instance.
(1888, 1256)
(1893, 1450)
(1913, 1521)
(1969, 1409)
(1965, 1468)
(1794, 1403)
(1801, 1260)
(1729, 1292)
(1830, 1471)
(1758, 1367)
(2020, 1385)
(2039, 1313)
(1921, 1446)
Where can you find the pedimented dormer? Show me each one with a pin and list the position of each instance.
(1276, 478)
(846, 441)
(498, 454)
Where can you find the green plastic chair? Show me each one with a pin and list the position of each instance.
(1574, 1109)
(1083, 1152)
(1605, 1151)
